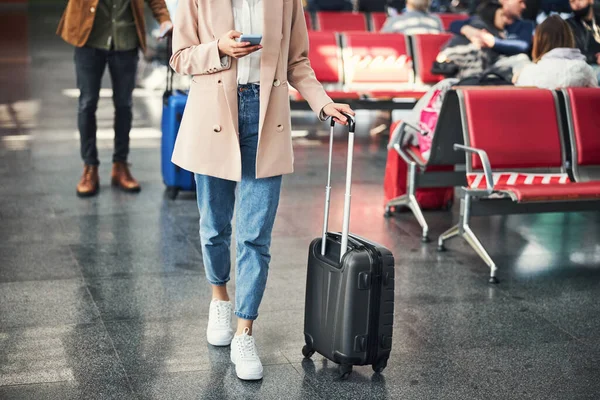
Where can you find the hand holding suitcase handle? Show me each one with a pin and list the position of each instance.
(346, 219)
(350, 119)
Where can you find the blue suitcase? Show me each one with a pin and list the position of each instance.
(175, 178)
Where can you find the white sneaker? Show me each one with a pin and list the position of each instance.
(219, 332)
(245, 357)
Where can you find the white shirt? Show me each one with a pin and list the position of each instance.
(248, 17)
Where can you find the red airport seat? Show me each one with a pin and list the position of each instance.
(426, 47)
(378, 20)
(582, 105)
(372, 59)
(341, 21)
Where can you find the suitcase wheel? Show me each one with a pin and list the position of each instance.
(172, 192)
(345, 371)
(307, 351)
(380, 365)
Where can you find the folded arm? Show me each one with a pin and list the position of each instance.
(190, 57)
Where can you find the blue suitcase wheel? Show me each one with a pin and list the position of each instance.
(172, 192)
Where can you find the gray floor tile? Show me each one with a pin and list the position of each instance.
(125, 260)
(38, 230)
(161, 347)
(422, 375)
(38, 303)
(546, 371)
(81, 354)
(36, 261)
(116, 389)
(279, 382)
(480, 324)
(571, 312)
(151, 297)
(441, 282)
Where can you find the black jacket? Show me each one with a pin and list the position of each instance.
(585, 39)
(329, 5)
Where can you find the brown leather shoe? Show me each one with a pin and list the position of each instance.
(121, 178)
(89, 183)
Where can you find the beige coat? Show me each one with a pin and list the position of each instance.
(207, 142)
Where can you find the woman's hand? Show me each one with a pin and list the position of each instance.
(229, 47)
(488, 40)
(515, 77)
(335, 111)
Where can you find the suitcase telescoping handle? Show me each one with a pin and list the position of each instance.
(170, 72)
(346, 219)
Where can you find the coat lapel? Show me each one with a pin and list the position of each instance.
(271, 41)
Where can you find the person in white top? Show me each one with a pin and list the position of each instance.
(557, 63)
(235, 136)
(248, 18)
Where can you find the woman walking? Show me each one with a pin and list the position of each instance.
(236, 133)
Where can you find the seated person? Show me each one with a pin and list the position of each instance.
(461, 57)
(415, 20)
(586, 31)
(557, 62)
(518, 32)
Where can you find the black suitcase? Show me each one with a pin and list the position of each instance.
(349, 311)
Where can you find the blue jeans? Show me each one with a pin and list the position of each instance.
(257, 201)
(90, 64)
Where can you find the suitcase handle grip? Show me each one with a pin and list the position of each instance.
(346, 218)
(170, 72)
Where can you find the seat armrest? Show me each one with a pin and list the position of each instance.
(485, 161)
(396, 143)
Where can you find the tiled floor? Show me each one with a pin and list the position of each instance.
(105, 298)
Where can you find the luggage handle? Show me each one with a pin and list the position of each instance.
(170, 72)
(346, 218)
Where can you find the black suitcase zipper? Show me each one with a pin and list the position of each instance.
(372, 341)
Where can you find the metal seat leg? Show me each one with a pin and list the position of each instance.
(449, 234)
(480, 250)
(466, 232)
(416, 209)
(401, 201)
(410, 200)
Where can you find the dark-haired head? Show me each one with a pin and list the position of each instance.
(490, 12)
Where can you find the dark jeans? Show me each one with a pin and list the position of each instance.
(90, 64)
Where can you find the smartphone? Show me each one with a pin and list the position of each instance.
(252, 39)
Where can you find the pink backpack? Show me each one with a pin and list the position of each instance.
(428, 120)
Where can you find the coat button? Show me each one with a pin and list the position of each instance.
(279, 128)
(217, 128)
(92, 9)
(276, 82)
